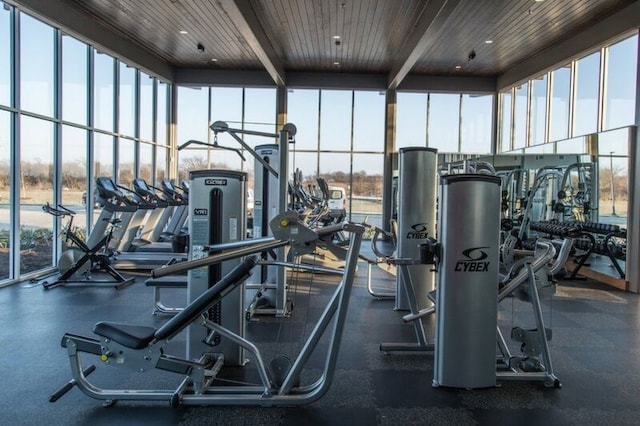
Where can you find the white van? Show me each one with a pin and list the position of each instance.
(337, 203)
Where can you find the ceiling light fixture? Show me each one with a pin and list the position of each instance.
(336, 37)
(183, 32)
(336, 63)
(214, 59)
(488, 41)
(458, 67)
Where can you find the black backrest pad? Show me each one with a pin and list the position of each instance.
(206, 299)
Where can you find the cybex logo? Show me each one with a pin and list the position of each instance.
(266, 152)
(217, 182)
(419, 231)
(200, 212)
(475, 256)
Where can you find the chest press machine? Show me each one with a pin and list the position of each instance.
(142, 348)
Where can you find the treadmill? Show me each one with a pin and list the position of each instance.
(138, 261)
(155, 206)
(177, 207)
(176, 223)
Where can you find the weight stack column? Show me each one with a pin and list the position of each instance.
(217, 214)
(416, 219)
(467, 295)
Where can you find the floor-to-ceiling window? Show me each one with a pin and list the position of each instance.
(6, 64)
(336, 108)
(303, 110)
(74, 114)
(341, 140)
(36, 189)
(6, 230)
(36, 172)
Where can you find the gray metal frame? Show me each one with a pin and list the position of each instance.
(198, 387)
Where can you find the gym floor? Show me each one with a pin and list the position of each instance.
(595, 351)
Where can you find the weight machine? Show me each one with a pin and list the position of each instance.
(142, 348)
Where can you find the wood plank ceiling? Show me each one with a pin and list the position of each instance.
(374, 35)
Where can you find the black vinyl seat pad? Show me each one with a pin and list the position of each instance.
(139, 337)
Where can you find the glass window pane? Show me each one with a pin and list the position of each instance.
(505, 129)
(226, 105)
(5, 191)
(126, 162)
(520, 117)
(161, 164)
(335, 120)
(103, 91)
(36, 66)
(411, 120)
(621, 84)
(6, 63)
(366, 189)
(616, 141)
(368, 121)
(336, 170)
(193, 120)
(127, 100)
(161, 127)
(477, 120)
(306, 162)
(559, 117)
(74, 80)
(74, 173)
(103, 155)
(444, 122)
(302, 110)
(585, 119)
(36, 189)
(613, 190)
(103, 166)
(259, 114)
(538, 110)
(191, 159)
(146, 107)
(146, 163)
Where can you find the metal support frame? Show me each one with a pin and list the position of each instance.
(284, 138)
(198, 386)
(415, 316)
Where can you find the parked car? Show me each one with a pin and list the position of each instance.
(337, 203)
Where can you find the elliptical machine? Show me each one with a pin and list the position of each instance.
(79, 261)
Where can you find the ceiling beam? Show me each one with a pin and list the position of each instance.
(199, 77)
(244, 18)
(87, 29)
(434, 15)
(446, 84)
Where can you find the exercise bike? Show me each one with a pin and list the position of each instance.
(79, 261)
